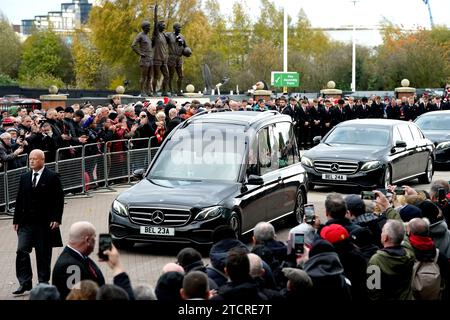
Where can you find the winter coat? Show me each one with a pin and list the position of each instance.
(396, 266)
(327, 275)
(441, 237)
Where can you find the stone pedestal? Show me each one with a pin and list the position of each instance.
(262, 94)
(405, 90)
(331, 91)
(53, 100)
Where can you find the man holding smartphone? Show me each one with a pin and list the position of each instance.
(74, 264)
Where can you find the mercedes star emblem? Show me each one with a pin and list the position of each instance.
(157, 217)
(335, 167)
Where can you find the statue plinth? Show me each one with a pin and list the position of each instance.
(53, 100)
(331, 93)
(262, 94)
(192, 95)
(405, 90)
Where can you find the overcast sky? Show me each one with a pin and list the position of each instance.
(409, 14)
(322, 13)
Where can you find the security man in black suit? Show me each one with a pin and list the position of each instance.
(74, 264)
(37, 216)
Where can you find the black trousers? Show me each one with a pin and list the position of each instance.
(37, 236)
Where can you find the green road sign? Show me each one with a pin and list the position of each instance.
(285, 79)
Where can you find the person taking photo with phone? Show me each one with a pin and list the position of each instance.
(74, 264)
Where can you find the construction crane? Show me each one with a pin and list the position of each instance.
(427, 2)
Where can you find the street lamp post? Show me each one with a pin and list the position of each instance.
(353, 85)
(285, 42)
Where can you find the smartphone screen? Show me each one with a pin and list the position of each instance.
(367, 195)
(299, 240)
(400, 191)
(309, 210)
(104, 243)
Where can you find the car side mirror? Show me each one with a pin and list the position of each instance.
(317, 139)
(255, 180)
(400, 144)
(139, 173)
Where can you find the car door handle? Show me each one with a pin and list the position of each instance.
(280, 180)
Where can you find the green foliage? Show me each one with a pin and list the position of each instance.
(10, 49)
(6, 80)
(231, 44)
(45, 54)
(41, 81)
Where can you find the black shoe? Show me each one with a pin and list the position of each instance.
(23, 288)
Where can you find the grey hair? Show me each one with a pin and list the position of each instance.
(264, 231)
(5, 135)
(335, 205)
(144, 292)
(419, 226)
(256, 265)
(395, 230)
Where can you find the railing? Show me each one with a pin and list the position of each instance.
(84, 167)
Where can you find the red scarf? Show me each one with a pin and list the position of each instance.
(421, 243)
(159, 133)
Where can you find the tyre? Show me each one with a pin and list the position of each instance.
(299, 212)
(428, 175)
(123, 244)
(235, 224)
(387, 179)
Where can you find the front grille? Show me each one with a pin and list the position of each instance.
(146, 216)
(343, 167)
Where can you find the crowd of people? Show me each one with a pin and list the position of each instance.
(25, 130)
(396, 247)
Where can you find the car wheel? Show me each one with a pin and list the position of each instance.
(123, 244)
(428, 175)
(235, 224)
(299, 212)
(387, 177)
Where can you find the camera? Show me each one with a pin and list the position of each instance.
(299, 241)
(310, 214)
(104, 243)
(399, 191)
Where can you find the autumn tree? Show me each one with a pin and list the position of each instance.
(10, 49)
(45, 55)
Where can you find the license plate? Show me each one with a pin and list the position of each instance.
(339, 177)
(158, 231)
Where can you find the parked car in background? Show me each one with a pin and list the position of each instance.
(369, 154)
(436, 127)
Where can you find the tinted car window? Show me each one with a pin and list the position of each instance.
(359, 135)
(214, 154)
(252, 163)
(434, 122)
(285, 140)
(396, 135)
(267, 151)
(416, 133)
(406, 134)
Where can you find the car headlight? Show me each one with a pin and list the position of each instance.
(370, 165)
(443, 145)
(307, 162)
(119, 208)
(209, 213)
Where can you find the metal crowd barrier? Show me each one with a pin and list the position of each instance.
(70, 168)
(85, 167)
(12, 181)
